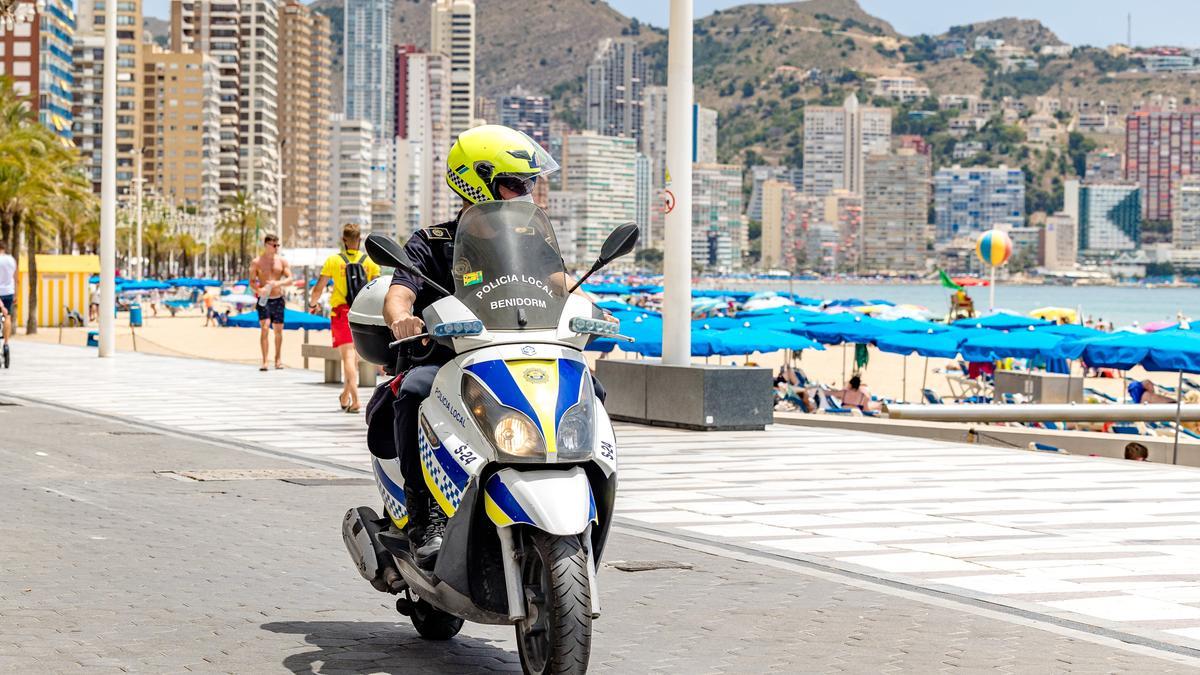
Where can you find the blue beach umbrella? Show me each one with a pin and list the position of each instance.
(907, 325)
(192, 282)
(1001, 322)
(95, 279)
(942, 345)
(749, 340)
(1072, 330)
(144, 285)
(292, 320)
(1022, 344)
(860, 330)
(607, 289)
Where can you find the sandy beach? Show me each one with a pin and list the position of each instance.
(887, 375)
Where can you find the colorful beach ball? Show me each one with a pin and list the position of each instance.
(994, 247)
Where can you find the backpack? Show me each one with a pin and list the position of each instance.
(356, 277)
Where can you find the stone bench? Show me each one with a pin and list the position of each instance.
(333, 364)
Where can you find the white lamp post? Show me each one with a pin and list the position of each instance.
(677, 240)
(108, 187)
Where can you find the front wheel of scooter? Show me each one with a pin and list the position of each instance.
(556, 635)
(432, 623)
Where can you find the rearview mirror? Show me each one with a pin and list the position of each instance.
(619, 242)
(385, 251)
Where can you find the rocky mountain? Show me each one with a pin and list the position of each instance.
(1025, 33)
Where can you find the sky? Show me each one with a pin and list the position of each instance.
(1094, 22)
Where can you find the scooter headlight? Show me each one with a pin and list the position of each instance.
(511, 432)
(575, 429)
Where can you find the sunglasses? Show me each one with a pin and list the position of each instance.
(517, 185)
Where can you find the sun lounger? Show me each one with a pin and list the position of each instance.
(1099, 394)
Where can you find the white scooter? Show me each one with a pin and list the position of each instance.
(514, 445)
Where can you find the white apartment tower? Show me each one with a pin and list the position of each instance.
(258, 118)
(422, 198)
(603, 170)
(215, 29)
(837, 142)
(615, 82)
(350, 147)
(368, 64)
(452, 26)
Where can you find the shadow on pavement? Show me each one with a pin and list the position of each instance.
(383, 647)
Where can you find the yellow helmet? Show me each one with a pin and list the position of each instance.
(485, 157)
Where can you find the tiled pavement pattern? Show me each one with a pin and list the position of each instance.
(1108, 543)
(111, 568)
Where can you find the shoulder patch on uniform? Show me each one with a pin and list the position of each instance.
(437, 233)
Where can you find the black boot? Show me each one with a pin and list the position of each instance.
(426, 524)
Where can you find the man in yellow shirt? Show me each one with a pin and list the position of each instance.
(345, 269)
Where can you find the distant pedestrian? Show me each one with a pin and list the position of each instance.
(8, 287)
(349, 269)
(210, 315)
(269, 277)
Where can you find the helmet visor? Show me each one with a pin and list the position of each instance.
(525, 161)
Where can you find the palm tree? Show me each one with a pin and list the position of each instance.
(42, 187)
(242, 218)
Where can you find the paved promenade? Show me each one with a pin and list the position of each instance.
(1099, 553)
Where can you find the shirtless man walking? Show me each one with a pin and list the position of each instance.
(269, 275)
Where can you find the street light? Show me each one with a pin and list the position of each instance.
(13, 12)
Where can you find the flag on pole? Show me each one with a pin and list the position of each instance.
(948, 282)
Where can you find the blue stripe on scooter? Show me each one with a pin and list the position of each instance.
(394, 490)
(496, 375)
(570, 374)
(498, 491)
(453, 469)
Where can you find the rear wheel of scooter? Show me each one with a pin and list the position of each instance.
(434, 624)
(556, 635)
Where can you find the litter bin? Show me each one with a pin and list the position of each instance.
(135, 315)
(93, 338)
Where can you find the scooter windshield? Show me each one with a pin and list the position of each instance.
(508, 269)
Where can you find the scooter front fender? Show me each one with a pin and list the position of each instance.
(556, 502)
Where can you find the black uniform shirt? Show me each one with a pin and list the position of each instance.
(431, 250)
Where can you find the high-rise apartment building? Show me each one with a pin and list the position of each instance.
(181, 129)
(844, 210)
(645, 199)
(1059, 243)
(423, 140)
(704, 135)
(452, 27)
(972, 200)
(351, 144)
(87, 103)
(1108, 216)
(837, 142)
(1185, 230)
(603, 170)
(305, 111)
(215, 29)
(719, 236)
(527, 113)
(761, 174)
(565, 210)
(653, 144)
(779, 224)
(38, 58)
(1161, 147)
(614, 88)
(368, 62)
(400, 88)
(258, 116)
(895, 236)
